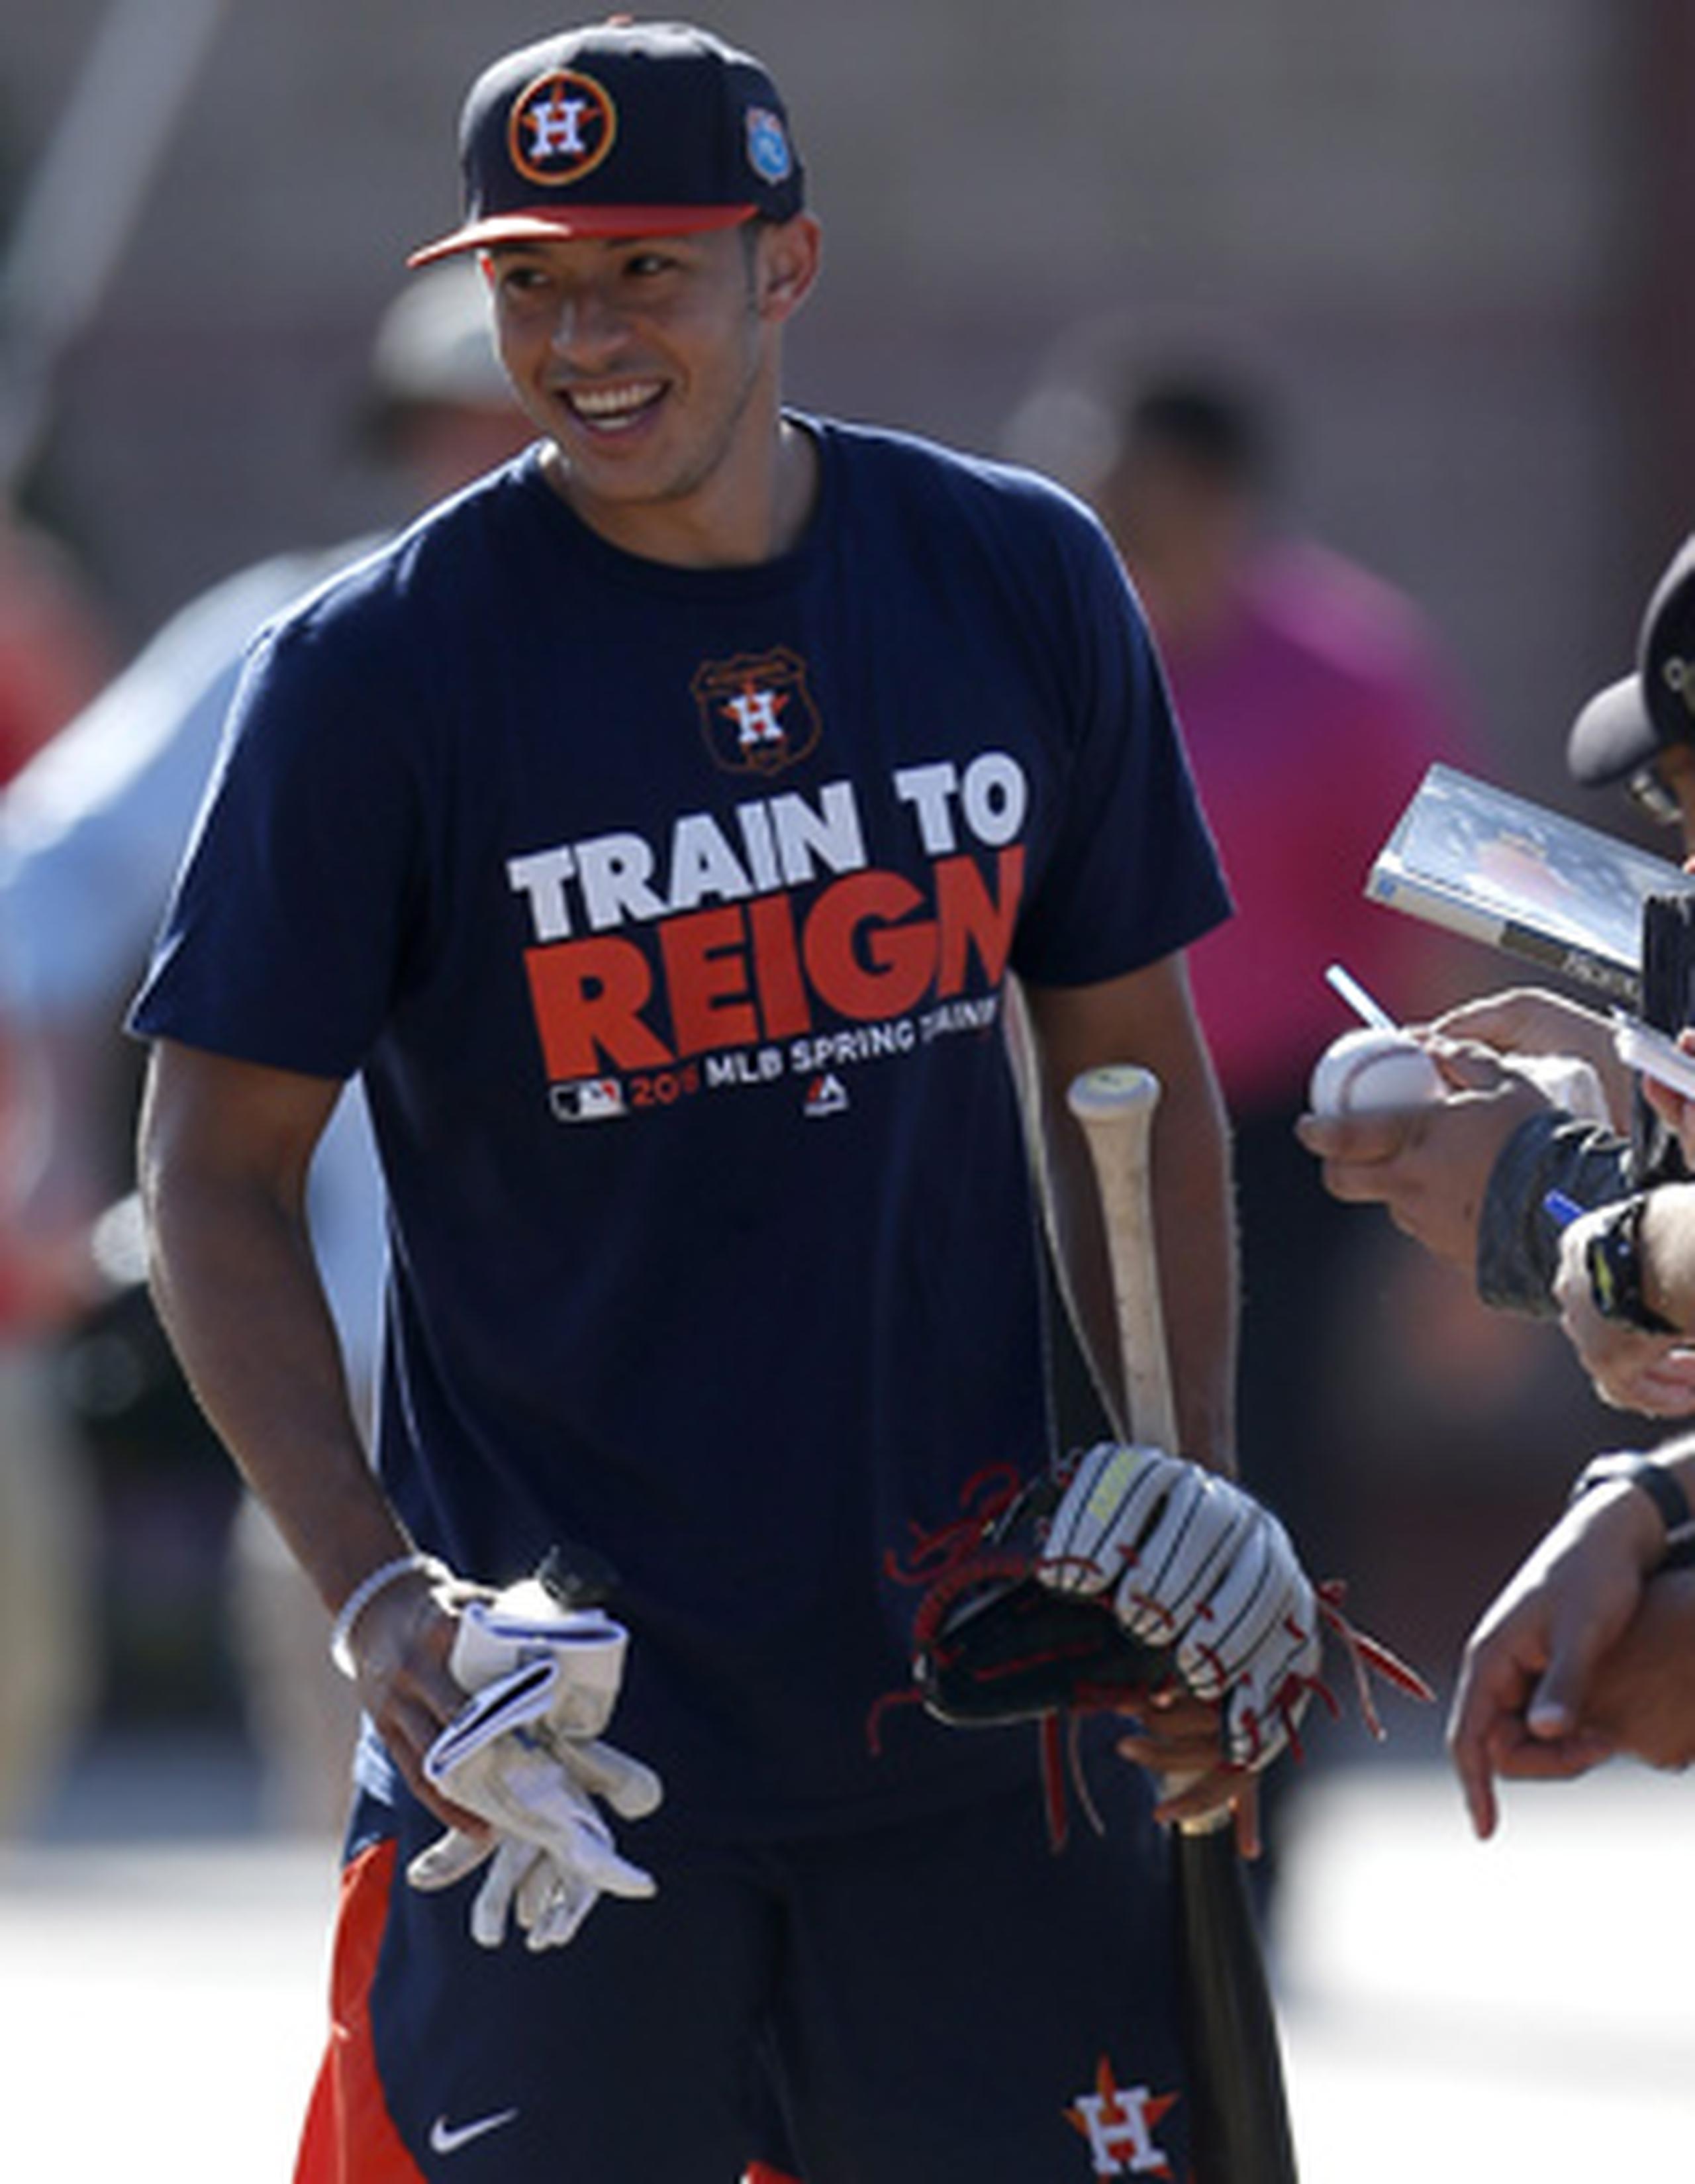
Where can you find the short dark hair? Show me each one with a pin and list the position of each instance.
(1218, 424)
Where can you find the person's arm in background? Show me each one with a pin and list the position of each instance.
(1626, 1289)
(1590, 1648)
(1467, 1176)
(90, 833)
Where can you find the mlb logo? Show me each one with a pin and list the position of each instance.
(589, 1099)
(825, 1095)
(756, 711)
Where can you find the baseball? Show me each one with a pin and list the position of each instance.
(1367, 1072)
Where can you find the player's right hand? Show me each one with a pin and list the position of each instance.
(552, 1853)
(523, 1762)
(401, 1647)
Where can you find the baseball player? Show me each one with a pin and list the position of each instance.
(656, 828)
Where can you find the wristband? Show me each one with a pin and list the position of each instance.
(1612, 1259)
(1654, 1480)
(366, 1591)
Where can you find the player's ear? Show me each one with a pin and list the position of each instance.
(786, 258)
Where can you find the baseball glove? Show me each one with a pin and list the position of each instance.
(994, 1642)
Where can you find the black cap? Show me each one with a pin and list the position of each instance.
(620, 128)
(1619, 731)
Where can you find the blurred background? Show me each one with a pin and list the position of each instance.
(1463, 231)
(1452, 237)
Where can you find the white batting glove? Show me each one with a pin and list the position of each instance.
(1194, 1563)
(546, 1886)
(551, 1855)
(524, 1623)
(523, 1883)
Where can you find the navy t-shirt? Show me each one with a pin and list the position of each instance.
(667, 913)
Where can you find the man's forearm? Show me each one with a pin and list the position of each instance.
(224, 1152)
(1147, 1019)
(241, 1301)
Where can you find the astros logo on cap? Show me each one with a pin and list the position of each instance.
(560, 128)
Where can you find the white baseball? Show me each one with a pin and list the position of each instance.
(1367, 1072)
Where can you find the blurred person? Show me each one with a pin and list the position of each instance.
(91, 835)
(1468, 1177)
(1312, 698)
(56, 649)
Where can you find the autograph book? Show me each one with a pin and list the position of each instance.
(1523, 878)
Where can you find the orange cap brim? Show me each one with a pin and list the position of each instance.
(565, 224)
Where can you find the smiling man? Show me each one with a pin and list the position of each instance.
(658, 828)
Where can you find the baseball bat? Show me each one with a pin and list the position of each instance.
(1239, 2115)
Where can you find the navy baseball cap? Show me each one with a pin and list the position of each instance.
(1619, 730)
(620, 129)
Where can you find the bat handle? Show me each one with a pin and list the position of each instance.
(1115, 1107)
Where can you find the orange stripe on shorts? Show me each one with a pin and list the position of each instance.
(349, 2136)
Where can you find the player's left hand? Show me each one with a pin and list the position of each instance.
(1192, 1561)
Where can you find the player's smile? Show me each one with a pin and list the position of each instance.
(616, 409)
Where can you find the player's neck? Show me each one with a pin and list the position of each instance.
(754, 507)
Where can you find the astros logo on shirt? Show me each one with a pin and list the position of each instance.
(560, 128)
(756, 711)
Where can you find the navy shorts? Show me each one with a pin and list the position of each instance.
(945, 1998)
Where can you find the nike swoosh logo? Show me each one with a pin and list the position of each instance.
(452, 2138)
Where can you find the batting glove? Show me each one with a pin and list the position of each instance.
(525, 1623)
(552, 1854)
(1192, 1564)
(525, 1754)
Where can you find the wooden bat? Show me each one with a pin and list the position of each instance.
(1240, 2117)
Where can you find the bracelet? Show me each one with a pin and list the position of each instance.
(366, 1591)
(1654, 1480)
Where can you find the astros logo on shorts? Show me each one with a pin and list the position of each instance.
(756, 711)
(1119, 2122)
(560, 128)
